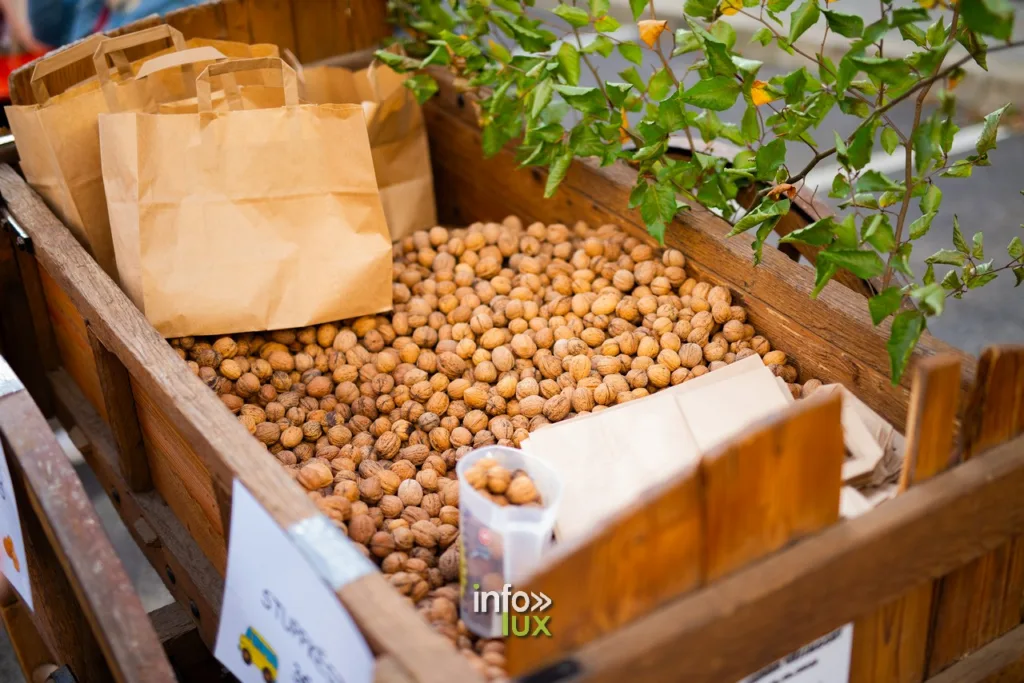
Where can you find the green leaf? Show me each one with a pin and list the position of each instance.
(878, 233)
(819, 233)
(541, 96)
(749, 125)
(987, 139)
(718, 58)
(770, 157)
(988, 17)
(931, 199)
(906, 331)
(962, 168)
(631, 52)
(724, 33)
(705, 9)
(686, 42)
(423, 87)
(847, 25)
(862, 263)
(765, 210)
(931, 297)
(493, 140)
(633, 78)
(556, 174)
(951, 281)
(859, 151)
(637, 7)
(660, 85)
(803, 17)
(587, 100)
(936, 33)
(958, 238)
(914, 34)
(975, 46)
(763, 36)
(978, 250)
(573, 15)
(888, 70)
(919, 228)
(874, 181)
(569, 63)
(777, 6)
(749, 67)
(889, 140)
(1019, 274)
(599, 8)
(947, 257)
(607, 24)
(823, 272)
(908, 15)
(617, 92)
(717, 93)
(1015, 249)
(884, 304)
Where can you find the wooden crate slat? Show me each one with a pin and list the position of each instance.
(321, 29)
(998, 662)
(891, 643)
(200, 21)
(982, 600)
(270, 21)
(368, 23)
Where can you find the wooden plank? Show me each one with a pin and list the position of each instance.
(762, 612)
(80, 547)
(19, 341)
(772, 486)
(465, 193)
(186, 572)
(982, 600)
(119, 402)
(270, 21)
(188, 654)
(645, 556)
(227, 450)
(236, 20)
(368, 23)
(1001, 661)
(321, 29)
(28, 646)
(891, 643)
(200, 21)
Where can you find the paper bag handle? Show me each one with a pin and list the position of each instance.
(288, 78)
(192, 55)
(56, 61)
(115, 47)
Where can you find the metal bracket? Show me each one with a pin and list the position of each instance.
(62, 675)
(329, 552)
(22, 240)
(559, 671)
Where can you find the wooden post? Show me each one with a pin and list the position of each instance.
(890, 644)
(982, 600)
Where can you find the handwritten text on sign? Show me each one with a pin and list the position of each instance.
(280, 621)
(13, 564)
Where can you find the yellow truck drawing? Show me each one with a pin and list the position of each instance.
(256, 651)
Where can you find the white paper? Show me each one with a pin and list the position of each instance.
(276, 605)
(13, 564)
(826, 660)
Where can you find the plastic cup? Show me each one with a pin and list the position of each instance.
(500, 545)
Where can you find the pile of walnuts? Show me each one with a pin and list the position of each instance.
(497, 330)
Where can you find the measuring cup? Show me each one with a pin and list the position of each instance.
(499, 545)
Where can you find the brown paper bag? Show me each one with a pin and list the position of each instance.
(398, 137)
(246, 219)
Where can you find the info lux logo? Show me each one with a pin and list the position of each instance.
(513, 605)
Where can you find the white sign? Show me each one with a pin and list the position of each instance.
(280, 621)
(826, 660)
(13, 564)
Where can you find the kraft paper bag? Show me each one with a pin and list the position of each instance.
(58, 140)
(246, 219)
(398, 138)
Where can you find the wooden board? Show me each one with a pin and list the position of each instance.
(322, 29)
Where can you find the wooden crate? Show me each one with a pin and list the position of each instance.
(630, 601)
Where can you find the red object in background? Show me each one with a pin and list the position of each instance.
(9, 63)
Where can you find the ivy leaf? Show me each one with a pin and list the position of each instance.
(569, 63)
(617, 92)
(931, 199)
(975, 46)
(423, 87)
(919, 228)
(819, 233)
(846, 233)
(887, 70)
(638, 7)
(750, 126)
(763, 36)
(607, 24)
(823, 272)
(658, 206)
(931, 297)
(989, 17)
(878, 233)
(889, 140)
(874, 181)
(1019, 274)
(587, 100)
(541, 96)
(599, 8)
(978, 250)
(770, 157)
(908, 15)
(660, 85)
(633, 78)
(859, 151)
(573, 15)
(724, 32)
(1016, 248)
(765, 210)
(987, 139)
(884, 304)
(947, 257)
(686, 41)
(631, 52)
(961, 169)
(556, 174)
(906, 331)
(847, 25)
(951, 281)
(779, 5)
(717, 93)
(704, 9)
(958, 238)
(804, 17)
(914, 34)
(862, 263)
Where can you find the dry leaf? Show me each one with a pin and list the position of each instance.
(651, 30)
(623, 133)
(759, 93)
(730, 7)
(782, 188)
